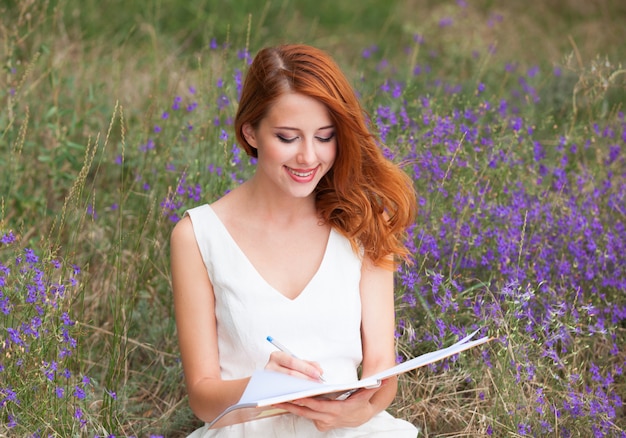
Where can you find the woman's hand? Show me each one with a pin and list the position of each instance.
(333, 414)
(288, 364)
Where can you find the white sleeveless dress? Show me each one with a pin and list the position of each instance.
(321, 324)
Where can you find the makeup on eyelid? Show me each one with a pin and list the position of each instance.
(292, 139)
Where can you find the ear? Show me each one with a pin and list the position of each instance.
(248, 133)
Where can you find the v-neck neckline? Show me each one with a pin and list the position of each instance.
(258, 273)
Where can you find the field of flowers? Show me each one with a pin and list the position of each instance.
(518, 157)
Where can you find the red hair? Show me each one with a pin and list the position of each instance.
(364, 196)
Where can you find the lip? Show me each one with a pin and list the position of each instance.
(302, 175)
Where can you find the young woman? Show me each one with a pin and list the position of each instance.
(302, 251)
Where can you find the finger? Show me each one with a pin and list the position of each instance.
(363, 394)
(311, 370)
(319, 369)
(323, 421)
(285, 363)
(300, 408)
(296, 409)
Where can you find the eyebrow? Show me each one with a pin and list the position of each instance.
(289, 128)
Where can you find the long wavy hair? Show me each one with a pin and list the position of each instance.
(364, 196)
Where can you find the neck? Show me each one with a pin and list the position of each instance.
(277, 207)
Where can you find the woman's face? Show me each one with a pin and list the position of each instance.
(296, 144)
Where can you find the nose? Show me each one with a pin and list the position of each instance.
(306, 151)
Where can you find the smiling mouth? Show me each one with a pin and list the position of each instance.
(300, 174)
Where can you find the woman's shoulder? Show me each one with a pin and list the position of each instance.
(182, 231)
(229, 206)
(184, 228)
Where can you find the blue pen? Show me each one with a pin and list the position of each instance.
(280, 346)
(284, 349)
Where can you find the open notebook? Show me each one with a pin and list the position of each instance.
(267, 388)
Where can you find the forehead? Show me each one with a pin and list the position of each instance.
(298, 109)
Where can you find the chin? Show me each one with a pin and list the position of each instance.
(302, 192)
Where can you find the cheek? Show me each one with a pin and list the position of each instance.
(271, 152)
(331, 154)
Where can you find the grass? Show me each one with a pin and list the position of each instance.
(116, 118)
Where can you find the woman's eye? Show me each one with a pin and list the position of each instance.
(286, 139)
(326, 139)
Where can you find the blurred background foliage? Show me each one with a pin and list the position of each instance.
(85, 81)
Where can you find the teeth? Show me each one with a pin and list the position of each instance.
(300, 174)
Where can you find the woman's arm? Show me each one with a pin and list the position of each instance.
(378, 328)
(194, 304)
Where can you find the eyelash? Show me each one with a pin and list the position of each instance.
(327, 139)
(291, 140)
